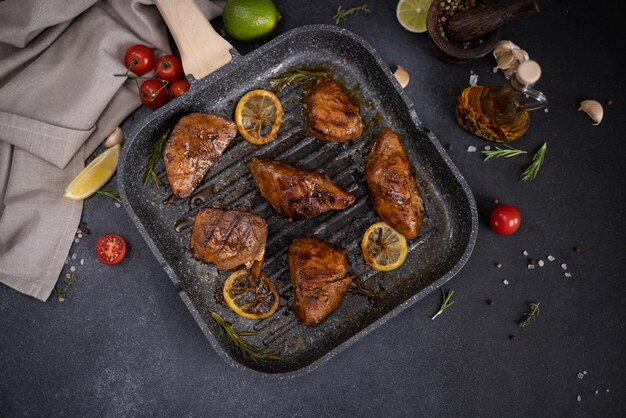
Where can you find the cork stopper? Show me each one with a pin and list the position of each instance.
(528, 72)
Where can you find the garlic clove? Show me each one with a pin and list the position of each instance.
(502, 47)
(506, 60)
(116, 137)
(594, 109)
(402, 76)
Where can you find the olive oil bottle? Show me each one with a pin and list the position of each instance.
(500, 113)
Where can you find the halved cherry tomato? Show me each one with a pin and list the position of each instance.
(139, 59)
(153, 93)
(111, 249)
(505, 219)
(179, 87)
(169, 68)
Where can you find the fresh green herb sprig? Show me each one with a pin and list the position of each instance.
(506, 152)
(445, 302)
(533, 169)
(342, 14)
(530, 316)
(61, 293)
(150, 177)
(296, 76)
(110, 195)
(237, 338)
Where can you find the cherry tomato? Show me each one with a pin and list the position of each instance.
(169, 68)
(139, 59)
(504, 219)
(153, 93)
(111, 249)
(179, 87)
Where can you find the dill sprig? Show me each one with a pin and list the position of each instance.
(506, 152)
(445, 302)
(532, 170)
(150, 177)
(110, 195)
(296, 76)
(236, 337)
(529, 316)
(343, 14)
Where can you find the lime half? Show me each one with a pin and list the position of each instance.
(412, 14)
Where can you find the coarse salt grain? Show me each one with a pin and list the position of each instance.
(546, 110)
(79, 235)
(578, 398)
(117, 205)
(551, 258)
(541, 263)
(505, 282)
(607, 391)
(525, 252)
(580, 375)
(473, 80)
(487, 147)
(531, 266)
(471, 148)
(72, 269)
(74, 256)
(76, 241)
(564, 266)
(584, 371)
(82, 261)
(597, 391)
(494, 69)
(567, 274)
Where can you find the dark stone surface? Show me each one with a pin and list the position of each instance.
(123, 343)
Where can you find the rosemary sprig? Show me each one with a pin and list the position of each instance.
(529, 316)
(296, 76)
(236, 337)
(532, 170)
(445, 302)
(150, 177)
(343, 14)
(70, 278)
(506, 152)
(110, 195)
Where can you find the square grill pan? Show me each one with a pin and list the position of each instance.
(437, 254)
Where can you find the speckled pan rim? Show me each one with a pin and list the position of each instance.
(211, 78)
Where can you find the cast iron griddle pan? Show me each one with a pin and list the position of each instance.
(437, 254)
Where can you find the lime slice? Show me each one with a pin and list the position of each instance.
(412, 14)
(94, 176)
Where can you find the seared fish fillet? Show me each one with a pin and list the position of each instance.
(196, 142)
(228, 238)
(392, 187)
(319, 275)
(295, 192)
(329, 113)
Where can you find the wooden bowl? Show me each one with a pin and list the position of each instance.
(453, 52)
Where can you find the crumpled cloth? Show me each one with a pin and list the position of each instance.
(58, 101)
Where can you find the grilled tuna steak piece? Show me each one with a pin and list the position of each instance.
(392, 187)
(330, 115)
(196, 142)
(228, 238)
(319, 275)
(295, 192)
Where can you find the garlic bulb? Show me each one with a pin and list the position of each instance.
(509, 56)
(116, 137)
(402, 76)
(593, 109)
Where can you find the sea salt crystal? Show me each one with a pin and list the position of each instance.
(584, 371)
(79, 235)
(67, 260)
(471, 148)
(568, 274)
(580, 375)
(473, 80)
(596, 391)
(82, 261)
(607, 391)
(578, 398)
(531, 266)
(487, 147)
(72, 269)
(74, 256)
(541, 263)
(564, 266)
(494, 69)
(546, 110)
(525, 252)
(117, 205)
(551, 258)
(76, 241)
(505, 282)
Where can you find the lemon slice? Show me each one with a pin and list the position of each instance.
(94, 176)
(251, 297)
(258, 116)
(412, 14)
(384, 248)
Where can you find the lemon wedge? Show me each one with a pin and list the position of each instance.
(412, 14)
(94, 176)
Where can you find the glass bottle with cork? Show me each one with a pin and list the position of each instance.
(500, 113)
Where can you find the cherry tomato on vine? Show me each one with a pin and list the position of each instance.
(153, 93)
(111, 249)
(139, 59)
(505, 219)
(169, 68)
(179, 87)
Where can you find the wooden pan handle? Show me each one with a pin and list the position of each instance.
(202, 50)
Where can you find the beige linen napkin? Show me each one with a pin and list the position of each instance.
(58, 101)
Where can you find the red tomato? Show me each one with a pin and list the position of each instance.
(153, 93)
(169, 68)
(139, 59)
(179, 87)
(505, 219)
(111, 249)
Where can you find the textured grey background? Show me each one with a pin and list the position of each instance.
(123, 343)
